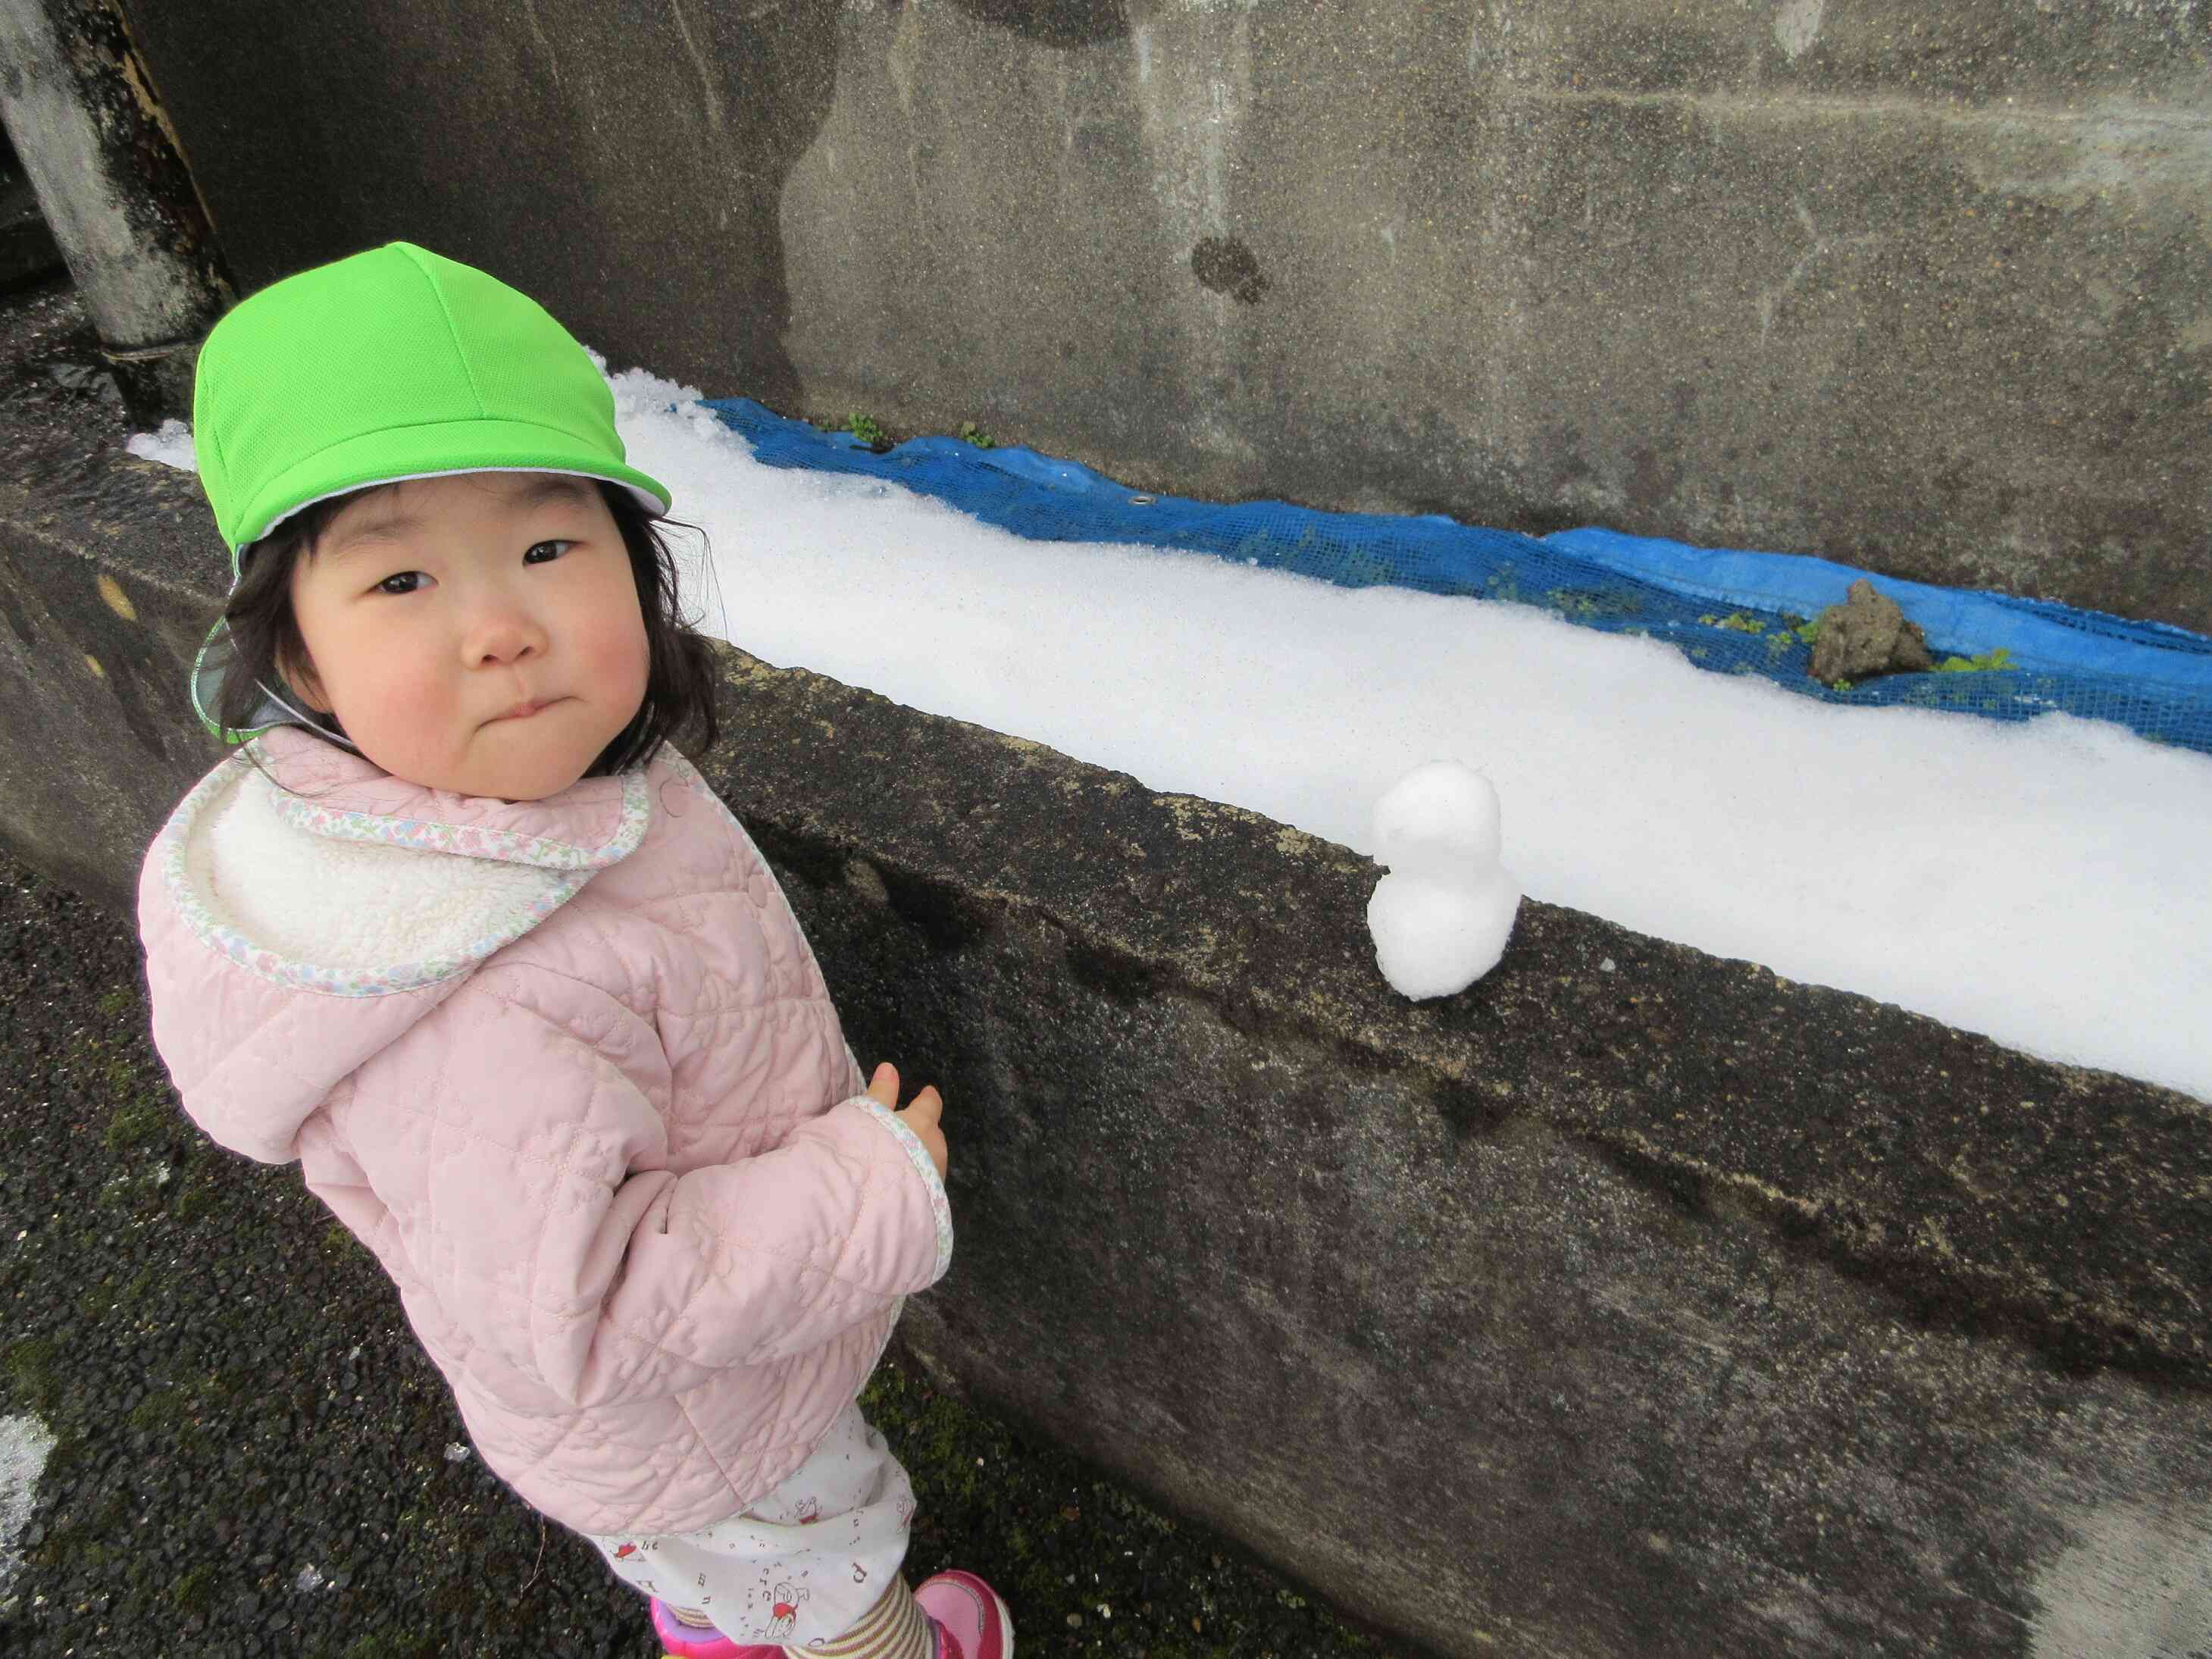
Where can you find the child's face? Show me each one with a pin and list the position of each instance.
(479, 633)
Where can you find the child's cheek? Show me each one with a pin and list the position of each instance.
(408, 722)
(617, 658)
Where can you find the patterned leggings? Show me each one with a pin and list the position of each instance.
(810, 1564)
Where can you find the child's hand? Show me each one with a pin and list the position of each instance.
(921, 1117)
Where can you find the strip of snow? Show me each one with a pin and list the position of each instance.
(2044, 884)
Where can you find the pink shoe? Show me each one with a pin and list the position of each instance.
(683, 1641)
(972, 1622)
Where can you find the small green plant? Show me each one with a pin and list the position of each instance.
(1589, 602)
(970, 433)
(1989, 662)
(867, 428)
(1738, 622)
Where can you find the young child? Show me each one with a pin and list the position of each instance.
(460, 931)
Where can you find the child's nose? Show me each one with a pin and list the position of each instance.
(502, 634)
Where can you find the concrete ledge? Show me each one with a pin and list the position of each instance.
(1667, 1309)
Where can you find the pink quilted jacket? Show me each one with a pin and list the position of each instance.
(570, 1069)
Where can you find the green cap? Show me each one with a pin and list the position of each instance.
(395, 363)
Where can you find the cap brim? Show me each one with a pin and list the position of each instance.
(438, 449)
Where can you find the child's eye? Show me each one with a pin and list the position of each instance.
(406, 581)
(550, 550)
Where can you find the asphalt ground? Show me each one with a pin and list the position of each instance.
(253, 1461)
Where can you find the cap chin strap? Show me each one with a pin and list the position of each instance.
(206, 686)
(320, 730)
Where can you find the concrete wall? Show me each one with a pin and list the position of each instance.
(1635, 1303)
(1917, 287)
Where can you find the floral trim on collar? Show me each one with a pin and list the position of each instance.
(476, 840)
(593, 823)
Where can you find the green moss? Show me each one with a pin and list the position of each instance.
(29, 1365)
(195, 1198)
(86, 1540)
(392, 1647)
(970, 433)
(168, 1404)
(157, 1412)
(94, 1302)
(194, 1593)
(135, 1124)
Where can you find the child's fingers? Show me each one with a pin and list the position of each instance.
(922, 1117)
(883, 1087)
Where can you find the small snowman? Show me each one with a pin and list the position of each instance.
(1441, 917)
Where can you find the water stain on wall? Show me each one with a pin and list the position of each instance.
(1054, 22)
(1226, 265)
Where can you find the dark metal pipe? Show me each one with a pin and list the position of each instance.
(111, 178)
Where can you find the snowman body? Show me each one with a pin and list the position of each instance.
(1441, 917)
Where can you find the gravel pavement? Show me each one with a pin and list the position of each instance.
(251, 1460)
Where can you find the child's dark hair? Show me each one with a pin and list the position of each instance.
(679, 688)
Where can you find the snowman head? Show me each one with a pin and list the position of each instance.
(1441, 819)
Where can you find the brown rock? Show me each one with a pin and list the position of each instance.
(1867, 635)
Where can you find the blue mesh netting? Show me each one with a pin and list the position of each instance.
(1730, 612)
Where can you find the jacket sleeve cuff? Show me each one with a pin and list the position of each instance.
(940, 1206)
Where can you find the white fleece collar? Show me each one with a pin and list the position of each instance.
(369, 886)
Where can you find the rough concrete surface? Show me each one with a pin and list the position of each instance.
(1634, 1303)
(1916, 288)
